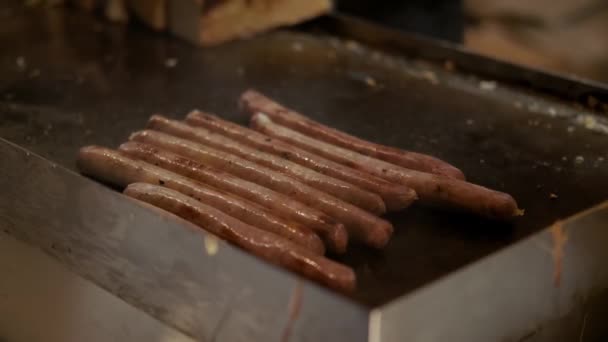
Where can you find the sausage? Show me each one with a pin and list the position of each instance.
(118, 169)
(430, 188)
(332, 232)
(252, 102)
(359, 223)
(263, 244)
(394, 196)
(224, 182)
(340, 189)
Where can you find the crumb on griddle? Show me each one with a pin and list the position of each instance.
(21, 62)
(370, 81)
(487, 85)
(171, 62)
(297, 46)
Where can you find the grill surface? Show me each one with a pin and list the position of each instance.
(70, 81)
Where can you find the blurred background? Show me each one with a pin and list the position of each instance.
(568, 36)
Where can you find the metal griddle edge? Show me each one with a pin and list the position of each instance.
(444, 276)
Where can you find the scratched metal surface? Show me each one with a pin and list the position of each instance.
(552, 286)
(69, 81)
(157, 263)
(40, 300)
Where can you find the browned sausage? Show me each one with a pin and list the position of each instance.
(263, 244)
(394, 196)
(252, 102)
(225, 182)
(338, 188)
(116, 168)
(332, 232)
(360, 224)
(429, 187)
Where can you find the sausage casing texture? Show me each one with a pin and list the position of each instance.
(335, 187)
(361, 224)
(394, 196)
(430, 188)
(120, 170)
(266, 245)
(332, 232)
(253, 102)
(229, 183)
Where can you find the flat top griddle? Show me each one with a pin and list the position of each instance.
(69, 80)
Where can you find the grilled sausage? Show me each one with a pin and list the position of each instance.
(263, 244)
(394, 196)
(429, 187)
(332, 232)
(252, 102)
(360, 224)
(118, 169)
(224, 182)
(340, 189)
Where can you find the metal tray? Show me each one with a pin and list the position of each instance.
(32, 280)
(69, 81)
